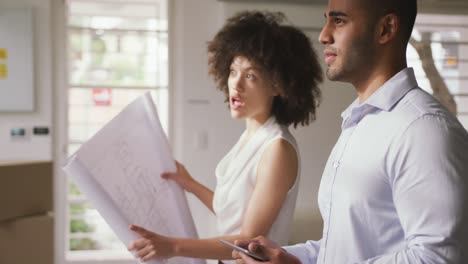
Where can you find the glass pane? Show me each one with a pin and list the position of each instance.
(111, 46)
(448, 42)
(464, 120)
(88, 231)
(143, 15)
(462, 104)
(88, 110)
(82, 244)
(122, 59)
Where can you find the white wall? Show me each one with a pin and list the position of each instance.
(199, 108)
(35, 147)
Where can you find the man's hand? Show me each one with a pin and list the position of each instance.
(263, 247)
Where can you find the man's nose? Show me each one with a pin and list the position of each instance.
(325, 36)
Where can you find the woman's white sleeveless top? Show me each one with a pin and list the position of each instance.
(236, 176)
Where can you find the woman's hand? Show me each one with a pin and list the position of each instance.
(151, 245)
(181, 177)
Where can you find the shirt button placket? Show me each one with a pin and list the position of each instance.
(335, 165)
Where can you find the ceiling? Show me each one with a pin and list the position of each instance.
(430, 6)
(325, 1)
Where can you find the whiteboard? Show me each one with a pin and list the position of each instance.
(16, 60)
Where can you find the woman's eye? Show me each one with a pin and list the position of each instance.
(232, 72)
(249, 76)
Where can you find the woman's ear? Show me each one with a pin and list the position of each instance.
(277, 91)
(277, 87)
(388, 28)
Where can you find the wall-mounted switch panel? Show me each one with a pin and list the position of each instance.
(41, 131)
(17, 132)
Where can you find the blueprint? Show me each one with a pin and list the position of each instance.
(119, 170)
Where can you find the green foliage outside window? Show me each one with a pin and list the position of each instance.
(82, 244)
(80, 226)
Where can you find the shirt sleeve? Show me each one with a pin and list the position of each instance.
(427, 168)
(306, 252)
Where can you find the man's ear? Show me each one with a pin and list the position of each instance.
(389, 25)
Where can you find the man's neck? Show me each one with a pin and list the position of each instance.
(376, 78)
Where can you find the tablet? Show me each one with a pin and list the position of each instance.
(245, 251)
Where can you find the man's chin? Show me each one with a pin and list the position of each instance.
(333, 75)
(336, 75)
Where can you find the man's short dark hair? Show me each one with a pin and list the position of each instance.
(406, 10)
(283, 52)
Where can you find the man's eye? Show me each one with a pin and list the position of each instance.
(249, 76)
(338, 20)
(232, 72)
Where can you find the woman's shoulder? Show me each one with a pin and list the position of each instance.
(279, 132)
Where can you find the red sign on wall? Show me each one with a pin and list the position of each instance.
(102, 96)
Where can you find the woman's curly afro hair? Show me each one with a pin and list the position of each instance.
(283, 51)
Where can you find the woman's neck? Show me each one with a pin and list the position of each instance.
(253, 124)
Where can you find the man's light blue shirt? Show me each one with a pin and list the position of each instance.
(394, 187)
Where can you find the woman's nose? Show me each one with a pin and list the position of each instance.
(236, 84)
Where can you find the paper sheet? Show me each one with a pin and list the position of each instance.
(119, 169)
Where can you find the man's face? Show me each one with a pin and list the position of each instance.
(348, 36)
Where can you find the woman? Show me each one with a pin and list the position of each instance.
(269, 74)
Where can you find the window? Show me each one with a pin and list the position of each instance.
(448, 39)
(117, 51)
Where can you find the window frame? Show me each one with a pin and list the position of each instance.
(59, 9)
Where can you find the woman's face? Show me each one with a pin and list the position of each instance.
(251, 91)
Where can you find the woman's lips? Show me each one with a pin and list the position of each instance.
(236, 102)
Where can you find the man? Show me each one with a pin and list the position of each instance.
(394, 187)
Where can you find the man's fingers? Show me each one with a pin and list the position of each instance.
(235, 254)
(246, 259)
(240, 261)
(242, 243)
(255, 247)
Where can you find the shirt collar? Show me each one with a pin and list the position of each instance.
(389, 93)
